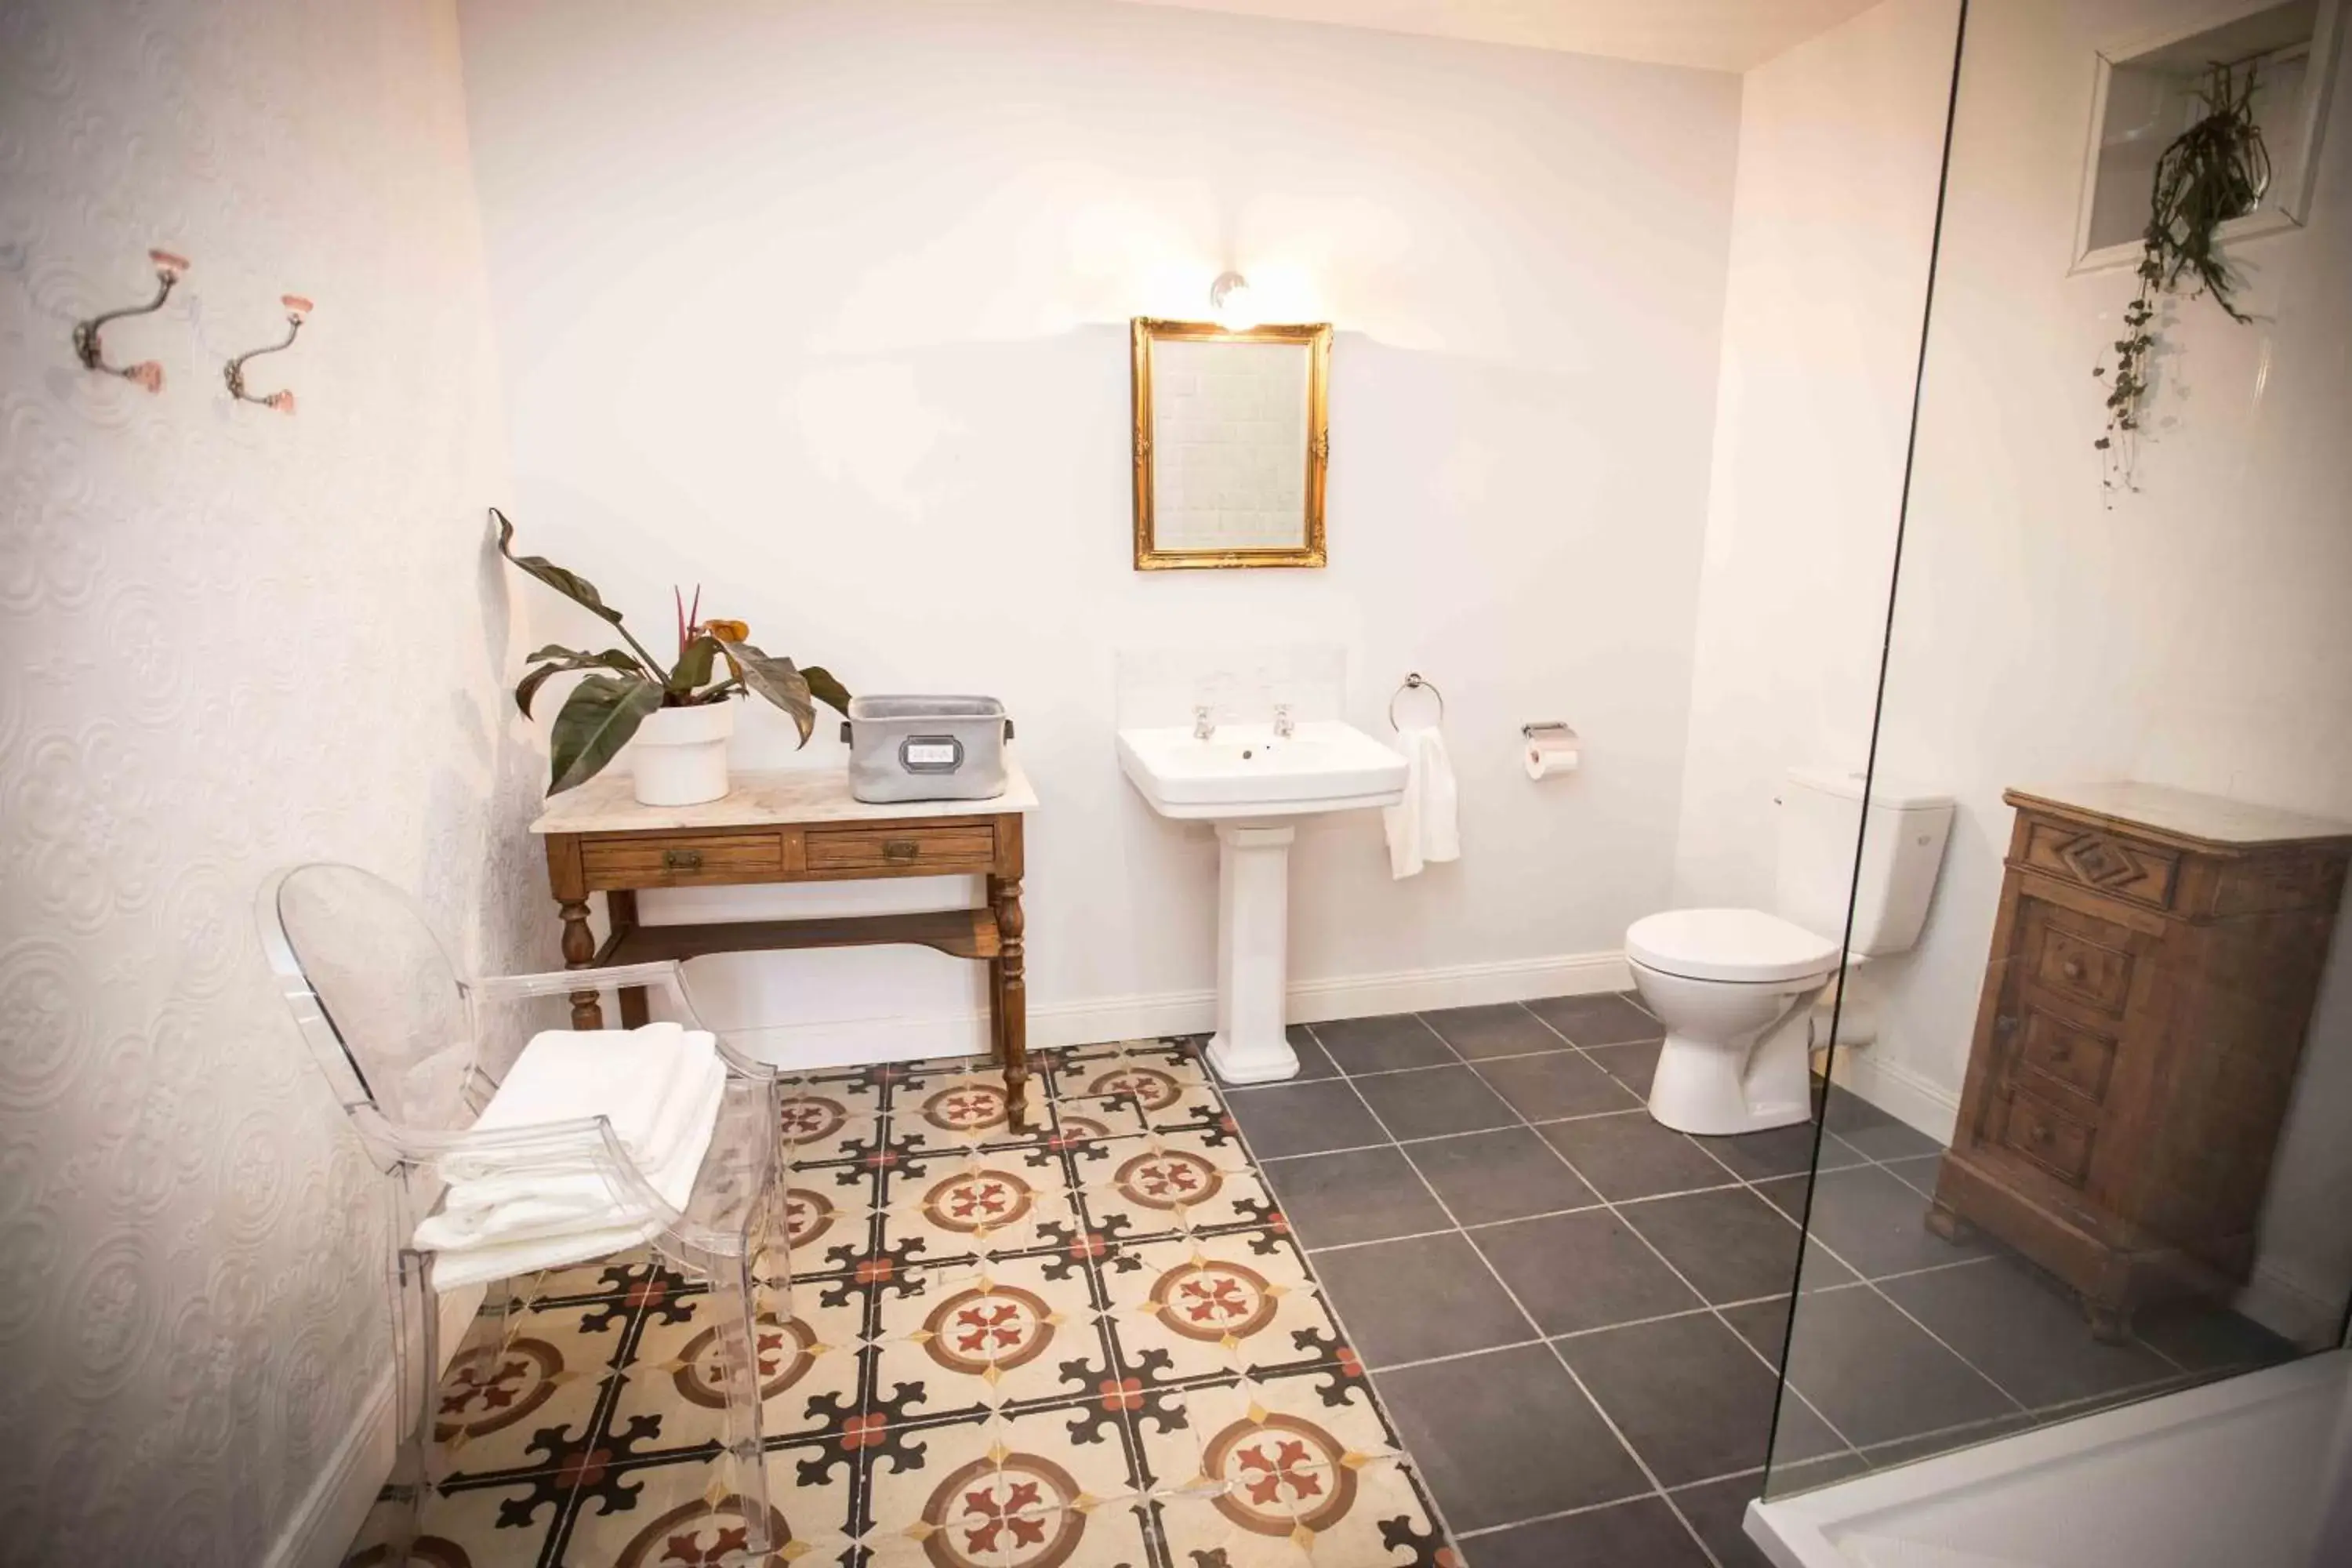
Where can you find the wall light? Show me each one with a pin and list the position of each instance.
(1231, 299)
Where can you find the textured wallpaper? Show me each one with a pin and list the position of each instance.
(233, 639)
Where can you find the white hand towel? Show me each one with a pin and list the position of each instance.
(521, 1236)
(1423, 827)
(646, 1080)
(520, 1203)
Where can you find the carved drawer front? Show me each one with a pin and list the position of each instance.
(2115, 866)
(2049, 1138)
(933, 850)
(2066, 1056)
(682, 860)
(2076, 965)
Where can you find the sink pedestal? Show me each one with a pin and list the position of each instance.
(1253, 954)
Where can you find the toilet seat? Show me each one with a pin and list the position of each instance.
(1734, 945)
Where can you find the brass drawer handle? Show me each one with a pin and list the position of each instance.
(681, 859)
(2072, 969)
(900, 848)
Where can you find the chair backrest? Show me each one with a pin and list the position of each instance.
(384, 1009)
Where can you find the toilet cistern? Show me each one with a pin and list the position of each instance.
(1253, 782)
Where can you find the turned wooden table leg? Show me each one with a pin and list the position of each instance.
(1012, 998)
(579, 953)
(621, 907)
(996, 1012)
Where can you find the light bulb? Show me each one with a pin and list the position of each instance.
(1235, 306)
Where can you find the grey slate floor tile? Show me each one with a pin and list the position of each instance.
(1507, 1436)
(1409, 1300)
(1359, 1195)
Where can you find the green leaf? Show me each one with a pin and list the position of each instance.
(554, 660)
(597, 719)
(693, 668)
(571, 584)
(826, 689)
(778, 681)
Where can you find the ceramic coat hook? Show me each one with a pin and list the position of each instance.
(233, 373)
(147, 374)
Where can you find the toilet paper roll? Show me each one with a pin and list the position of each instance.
(1549, 754)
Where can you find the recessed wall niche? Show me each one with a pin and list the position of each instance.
(2146, 94)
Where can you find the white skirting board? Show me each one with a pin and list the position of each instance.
(1917, 1101)
(320, 1533)
(842, 1042)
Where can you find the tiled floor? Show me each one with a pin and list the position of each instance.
(1185, 1320)
(1575, 1316)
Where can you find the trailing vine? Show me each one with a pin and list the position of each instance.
(2216, 170)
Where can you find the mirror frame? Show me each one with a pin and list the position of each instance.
(1316, 340)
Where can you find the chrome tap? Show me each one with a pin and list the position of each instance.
(1204, 726)
(1284, 726)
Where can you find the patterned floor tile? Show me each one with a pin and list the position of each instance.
(808, 1369)
(976, 1203)
(1266, 1446)
(1175, 1182)
(1216, 1306)
(819, 1123)
(519, 1395)
(968, 1477)
(1008, 1332)
(690, 1514)
(467, 1527)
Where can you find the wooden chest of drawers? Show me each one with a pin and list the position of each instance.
(2153, 969)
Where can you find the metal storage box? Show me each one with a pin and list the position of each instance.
(926, 748)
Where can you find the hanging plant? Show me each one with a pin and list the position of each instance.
(2216, 170)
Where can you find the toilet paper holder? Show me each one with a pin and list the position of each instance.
(1547, 728)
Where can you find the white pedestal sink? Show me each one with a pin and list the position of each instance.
(1255, 785)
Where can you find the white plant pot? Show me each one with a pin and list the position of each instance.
(681, 754)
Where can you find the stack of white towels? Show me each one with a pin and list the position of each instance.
(511, 1213)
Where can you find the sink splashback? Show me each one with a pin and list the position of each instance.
(1161, 686)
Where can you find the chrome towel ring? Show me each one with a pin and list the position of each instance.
(1413, 682)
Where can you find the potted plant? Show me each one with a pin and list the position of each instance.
(2216, 170)
(680, 716)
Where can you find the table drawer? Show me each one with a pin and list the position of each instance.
(2071, 1057)
(2116, 866)
(917, 851)
(2049, 1137)
(682, 860)
(2074, 962)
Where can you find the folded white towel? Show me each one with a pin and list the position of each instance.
(647, 1081)
(1423, 827)
(510, 1213)
(520, 1205)
(471, 1265)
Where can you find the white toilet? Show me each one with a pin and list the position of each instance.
(1736, 988)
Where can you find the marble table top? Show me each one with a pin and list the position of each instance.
(605, 804)
(2212, 818)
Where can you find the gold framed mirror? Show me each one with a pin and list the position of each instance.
(1232, 443)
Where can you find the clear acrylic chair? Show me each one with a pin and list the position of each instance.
(405, 1039)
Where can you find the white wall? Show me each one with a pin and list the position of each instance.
(232, 640)
(2195, 634)
(1833, 210)
(824, 305)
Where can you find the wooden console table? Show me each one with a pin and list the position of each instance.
(796, 826)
